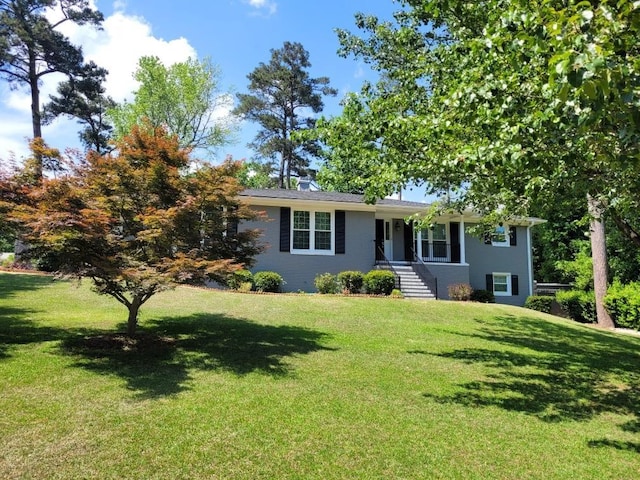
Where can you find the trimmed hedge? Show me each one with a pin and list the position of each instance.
(239, 279)
(482, 296)
(326, 283)
(540, 303)
(351, 281)
(268, 281)
(578, 304)
(379, 282)
(623, 304)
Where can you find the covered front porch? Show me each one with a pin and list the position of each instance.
(400, 241)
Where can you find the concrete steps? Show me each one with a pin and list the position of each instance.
(411, 284)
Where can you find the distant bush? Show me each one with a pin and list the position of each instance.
(326, 283)
(395, 293)
(623, 304)
(578, 304)
(268, 281)
(238, 280)
(482, 296)
(379, 282)
(460, 292)
(351, 281)
(540, 303)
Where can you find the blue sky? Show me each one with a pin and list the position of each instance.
(236, 34)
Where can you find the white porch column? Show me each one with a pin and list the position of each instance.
(463, 249)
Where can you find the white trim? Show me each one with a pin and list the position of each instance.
(312, 229)
(529, 260)
(493, 280)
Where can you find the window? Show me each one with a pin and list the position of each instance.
(434, 242)
(502, 284)
(312, 232)
(500, 236)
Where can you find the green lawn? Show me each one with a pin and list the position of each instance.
(308, 387)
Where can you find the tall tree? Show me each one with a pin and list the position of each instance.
(137, 222)
(280, 93)
(509, 102)
(31, 46)
(183, 98)
(83, 97)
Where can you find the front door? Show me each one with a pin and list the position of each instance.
(379, 243)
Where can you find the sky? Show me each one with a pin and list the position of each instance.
(235, 34)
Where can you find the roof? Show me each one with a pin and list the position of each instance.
(313, 198)
(322, 196)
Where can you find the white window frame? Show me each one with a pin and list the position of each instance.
(312, 231)
(428, 255)
(508, 280)
(506, 242)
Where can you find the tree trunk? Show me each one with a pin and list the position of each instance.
(132, 321)
(36, 118)
(599, 257)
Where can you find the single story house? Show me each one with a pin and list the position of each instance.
(313, 232)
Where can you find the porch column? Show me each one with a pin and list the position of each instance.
(463, 249)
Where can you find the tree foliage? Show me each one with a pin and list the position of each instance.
(135, 223)
(83, 97)
(508, 103)
(183, 98)
(281, 92)
(31, 46)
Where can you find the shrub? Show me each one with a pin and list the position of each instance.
(578, 304)
(268, 281)
(460, 291)
(623, 304)
(326, 283)
(379, 282)
(351, 281)
(238, 280)
(395, 293)
(482, 296)
(540, 303)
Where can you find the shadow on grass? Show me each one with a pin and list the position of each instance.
(11, 283)
(17, 329)
(552, 371)
(159, 361)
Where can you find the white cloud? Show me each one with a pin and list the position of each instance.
(266, 6)
(117, 47)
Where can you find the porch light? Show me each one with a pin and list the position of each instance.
(397, 225)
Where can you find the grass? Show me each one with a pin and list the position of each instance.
(227, 385)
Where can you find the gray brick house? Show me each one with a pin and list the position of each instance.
(312, 232)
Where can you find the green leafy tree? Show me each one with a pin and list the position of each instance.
(281, 92)
(31, 46)
(257, 175)
(183, 98)
(83, 97)
(136, 224)
(510, 103)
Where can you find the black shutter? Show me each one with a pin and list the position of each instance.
(340, 231)
(490, 282)
(513, 236)
(285, 229)
(454, 234)
(514, 285)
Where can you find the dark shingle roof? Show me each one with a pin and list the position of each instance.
(320, 196)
